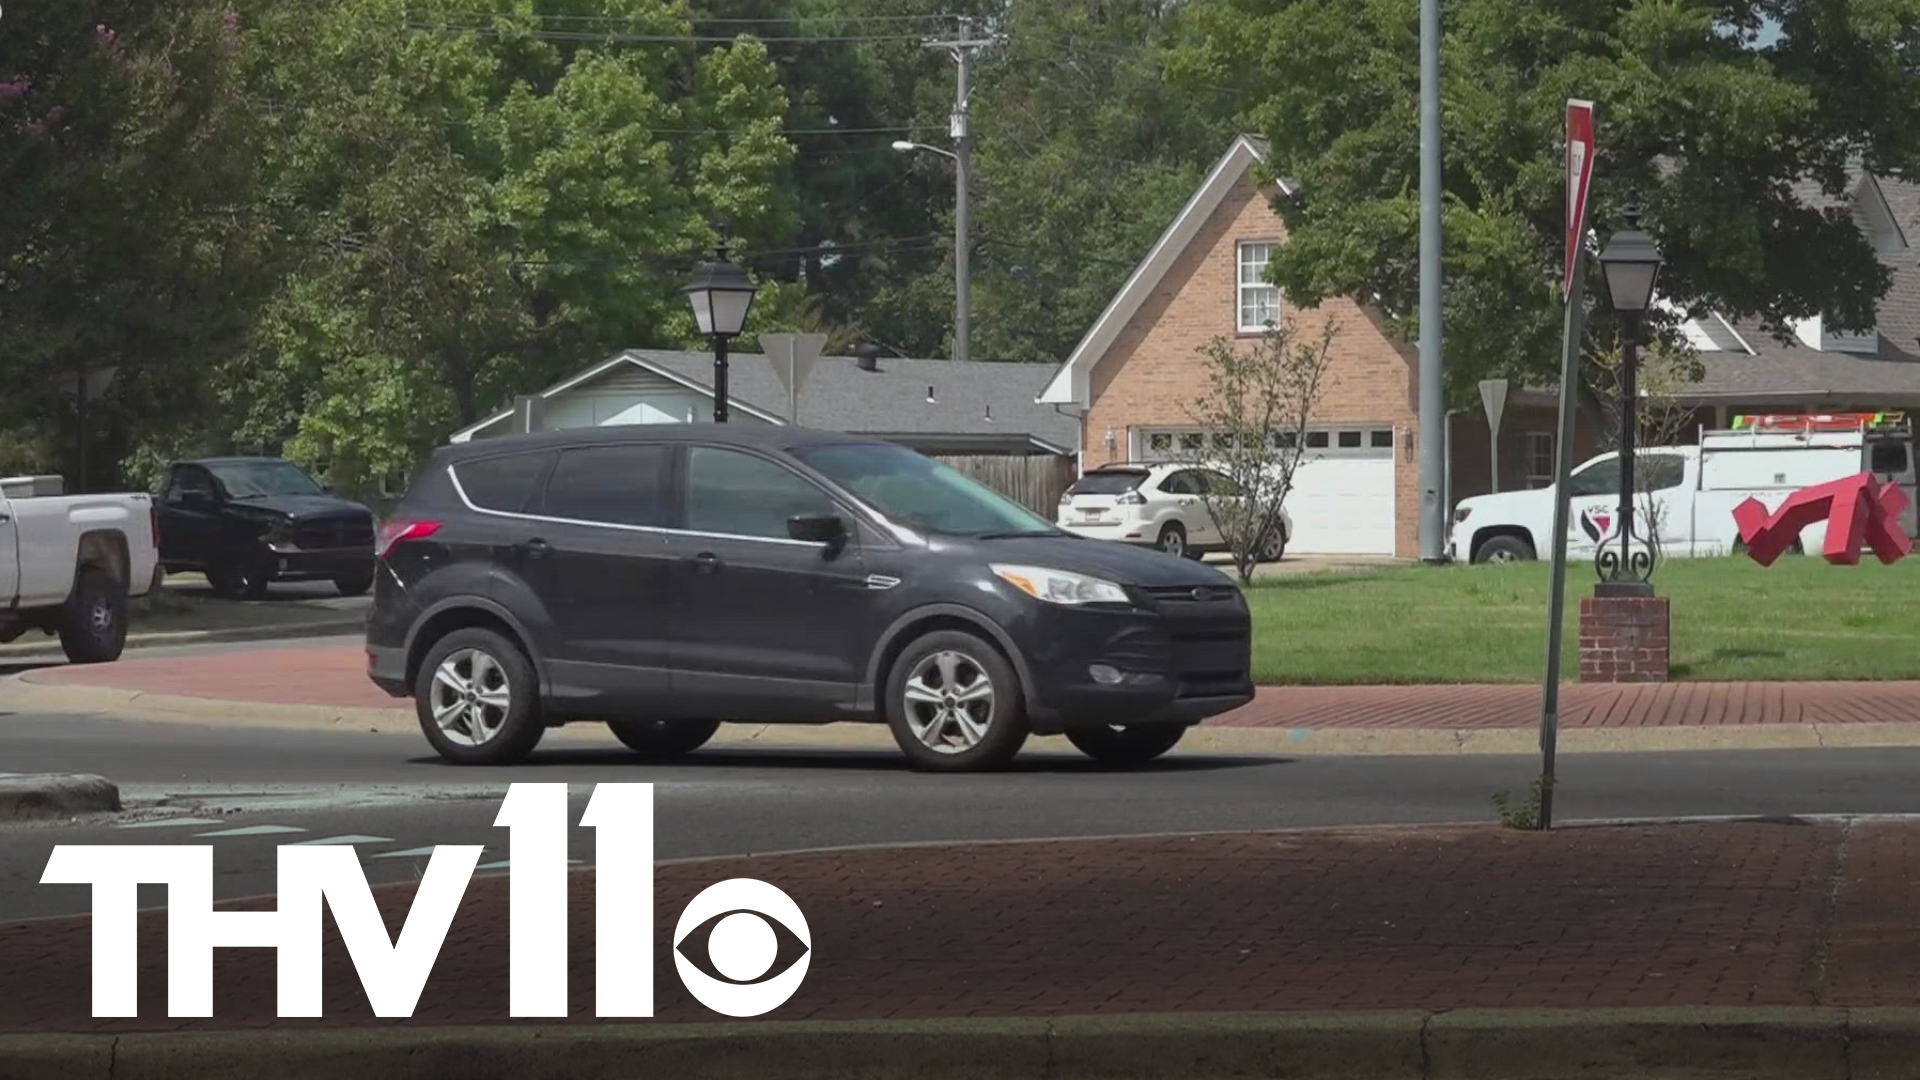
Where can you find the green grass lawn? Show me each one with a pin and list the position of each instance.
(1802, 618)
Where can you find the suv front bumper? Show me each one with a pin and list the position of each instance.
(1174, 662)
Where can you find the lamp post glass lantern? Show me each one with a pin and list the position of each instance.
(1632, 266)
(720, 294)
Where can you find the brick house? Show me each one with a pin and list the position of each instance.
(1133, 377)
(1135, 374)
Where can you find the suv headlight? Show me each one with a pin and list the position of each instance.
(1060, 586)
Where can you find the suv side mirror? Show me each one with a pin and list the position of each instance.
(826, 529)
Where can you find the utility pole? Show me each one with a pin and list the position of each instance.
(1432, 374)
(962, 48)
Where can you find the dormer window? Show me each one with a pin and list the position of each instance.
(1259, 298)
(1820, 333)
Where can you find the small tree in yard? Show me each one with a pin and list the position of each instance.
(1254, 413)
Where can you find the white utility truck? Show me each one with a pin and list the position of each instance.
(1691, 490)
(69, 563)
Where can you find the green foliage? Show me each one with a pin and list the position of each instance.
(1707, 128)
(1526, 813)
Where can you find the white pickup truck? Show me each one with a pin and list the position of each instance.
(69, 564)
(1691, 490)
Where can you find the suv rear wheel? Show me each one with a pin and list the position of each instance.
(1173, 539)
(1134, 745)
(475, 697)
(663, 738)
(954, 704)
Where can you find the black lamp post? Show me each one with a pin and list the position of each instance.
(721, 295)
(1632, 264)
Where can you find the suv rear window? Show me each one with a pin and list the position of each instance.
(503, 482)
(1108, 482)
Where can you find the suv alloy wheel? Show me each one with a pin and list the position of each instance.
(475, 696)
(955, 705)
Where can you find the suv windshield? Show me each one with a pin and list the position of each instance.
(919, 491)
(259, 479)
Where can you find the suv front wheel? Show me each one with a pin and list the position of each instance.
(475, 696)
(954, 704)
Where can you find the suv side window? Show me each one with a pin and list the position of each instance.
(739, 494)
(504, 482)
(1219, 484)
(1180, 483)
(614, 485)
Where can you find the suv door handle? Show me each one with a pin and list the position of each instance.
(704, 563)
(536, 548)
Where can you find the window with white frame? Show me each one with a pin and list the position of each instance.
(1259, 299)
(1174, 444)
(1538, 447)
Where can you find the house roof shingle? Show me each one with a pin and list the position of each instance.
(974, 399)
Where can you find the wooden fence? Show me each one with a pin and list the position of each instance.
(1035, 481)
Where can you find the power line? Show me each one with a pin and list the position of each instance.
(785, 20)
(848, 248)
(653, 39)
(452, 121)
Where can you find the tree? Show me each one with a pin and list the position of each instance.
(1706, 126)
(1254, 415)
(482, 196)
(1083, 155)
(129, 235)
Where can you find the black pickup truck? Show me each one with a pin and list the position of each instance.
(249, 521)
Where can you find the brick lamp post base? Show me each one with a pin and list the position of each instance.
(1624, 639)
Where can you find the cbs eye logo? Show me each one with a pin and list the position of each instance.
(742, 947)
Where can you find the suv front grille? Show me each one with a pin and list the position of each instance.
(1204, 594)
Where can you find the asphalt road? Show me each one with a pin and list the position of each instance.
(390, 798)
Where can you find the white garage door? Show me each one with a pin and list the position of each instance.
(1342, 501)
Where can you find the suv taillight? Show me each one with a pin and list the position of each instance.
(1130, 498)
(394, 532)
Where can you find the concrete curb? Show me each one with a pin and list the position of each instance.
(48, 796)
(22, 694)
(1505, 1044)
(136, 642)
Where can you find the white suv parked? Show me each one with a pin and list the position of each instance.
(1156, 505)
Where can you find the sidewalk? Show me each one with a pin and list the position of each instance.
(334, 676)
(1730, 914)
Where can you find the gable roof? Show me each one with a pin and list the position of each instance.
(1069, 382)
(1764, 367)
(976, 399)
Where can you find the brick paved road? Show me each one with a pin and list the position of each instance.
(1727, 914)
(335, 675)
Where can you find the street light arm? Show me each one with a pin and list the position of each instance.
(904, 147)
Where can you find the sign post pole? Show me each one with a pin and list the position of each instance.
(1579, 174)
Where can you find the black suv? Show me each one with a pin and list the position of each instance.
(250, 521)
(666, 578)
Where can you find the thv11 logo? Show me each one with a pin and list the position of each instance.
(728, 945)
